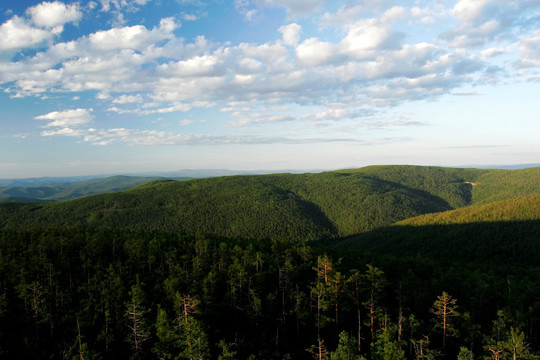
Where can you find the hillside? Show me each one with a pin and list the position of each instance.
(507, 230)
(183, 263)
(449, 184)
(312, 206)
(497, 185)
(307, 205)
(519, 209)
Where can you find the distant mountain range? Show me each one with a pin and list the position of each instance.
(185, 173)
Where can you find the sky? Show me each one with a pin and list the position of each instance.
(133, 86)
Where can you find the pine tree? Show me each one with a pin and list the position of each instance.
(374, 282)
(445, 309)
(193, 339)
(136, 318)
(347, 348)
(386, 345)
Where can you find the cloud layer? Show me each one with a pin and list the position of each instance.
(363, 59)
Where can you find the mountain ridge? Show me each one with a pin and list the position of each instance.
(313, 206)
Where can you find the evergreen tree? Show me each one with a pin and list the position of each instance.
(465, 354)
(347, 348)
(386, 345)
(445, 309)
(136, 313)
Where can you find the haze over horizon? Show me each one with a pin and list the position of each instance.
(134, 86)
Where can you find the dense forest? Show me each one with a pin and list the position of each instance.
(391, 262)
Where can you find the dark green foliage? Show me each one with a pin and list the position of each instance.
(310, 206)
(223, 269)
(449, 184)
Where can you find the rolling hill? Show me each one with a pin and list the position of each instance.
(184, 261)
(506, 231)
(311, 206)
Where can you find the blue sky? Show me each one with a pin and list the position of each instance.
(127, 86)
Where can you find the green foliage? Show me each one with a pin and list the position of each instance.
(310, 206)
(465, 354)
(519, 209)
(223, 268)
(497, 185)
(180, 297)
(347, 348)
(386, 346)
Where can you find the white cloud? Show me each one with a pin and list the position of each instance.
(51, 14)
(366, 36)
(291, 34)
(485, 21)
(64, 132)
(16, 34)
(471, 10)
(132, 37)
(46, 21)
(529, 49)
(67, 118)
(364, 63)
(128, 99)
(196, 66)
(346, 14)
(493, 52)
(313, 52)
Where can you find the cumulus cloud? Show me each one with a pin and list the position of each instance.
(46, 20)
(484, 21)
(313, 52)
(291, 33)
(366, 36)
(51, 14)
(132, 37)
(472, 10)
(363, 63)
(67, 118)
(16, 34)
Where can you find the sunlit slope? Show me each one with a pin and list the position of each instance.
(519, 209)
(504, 229)
(497, 185)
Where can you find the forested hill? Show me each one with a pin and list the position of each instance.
(221, 268)
(504, 228)
(308, 206)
